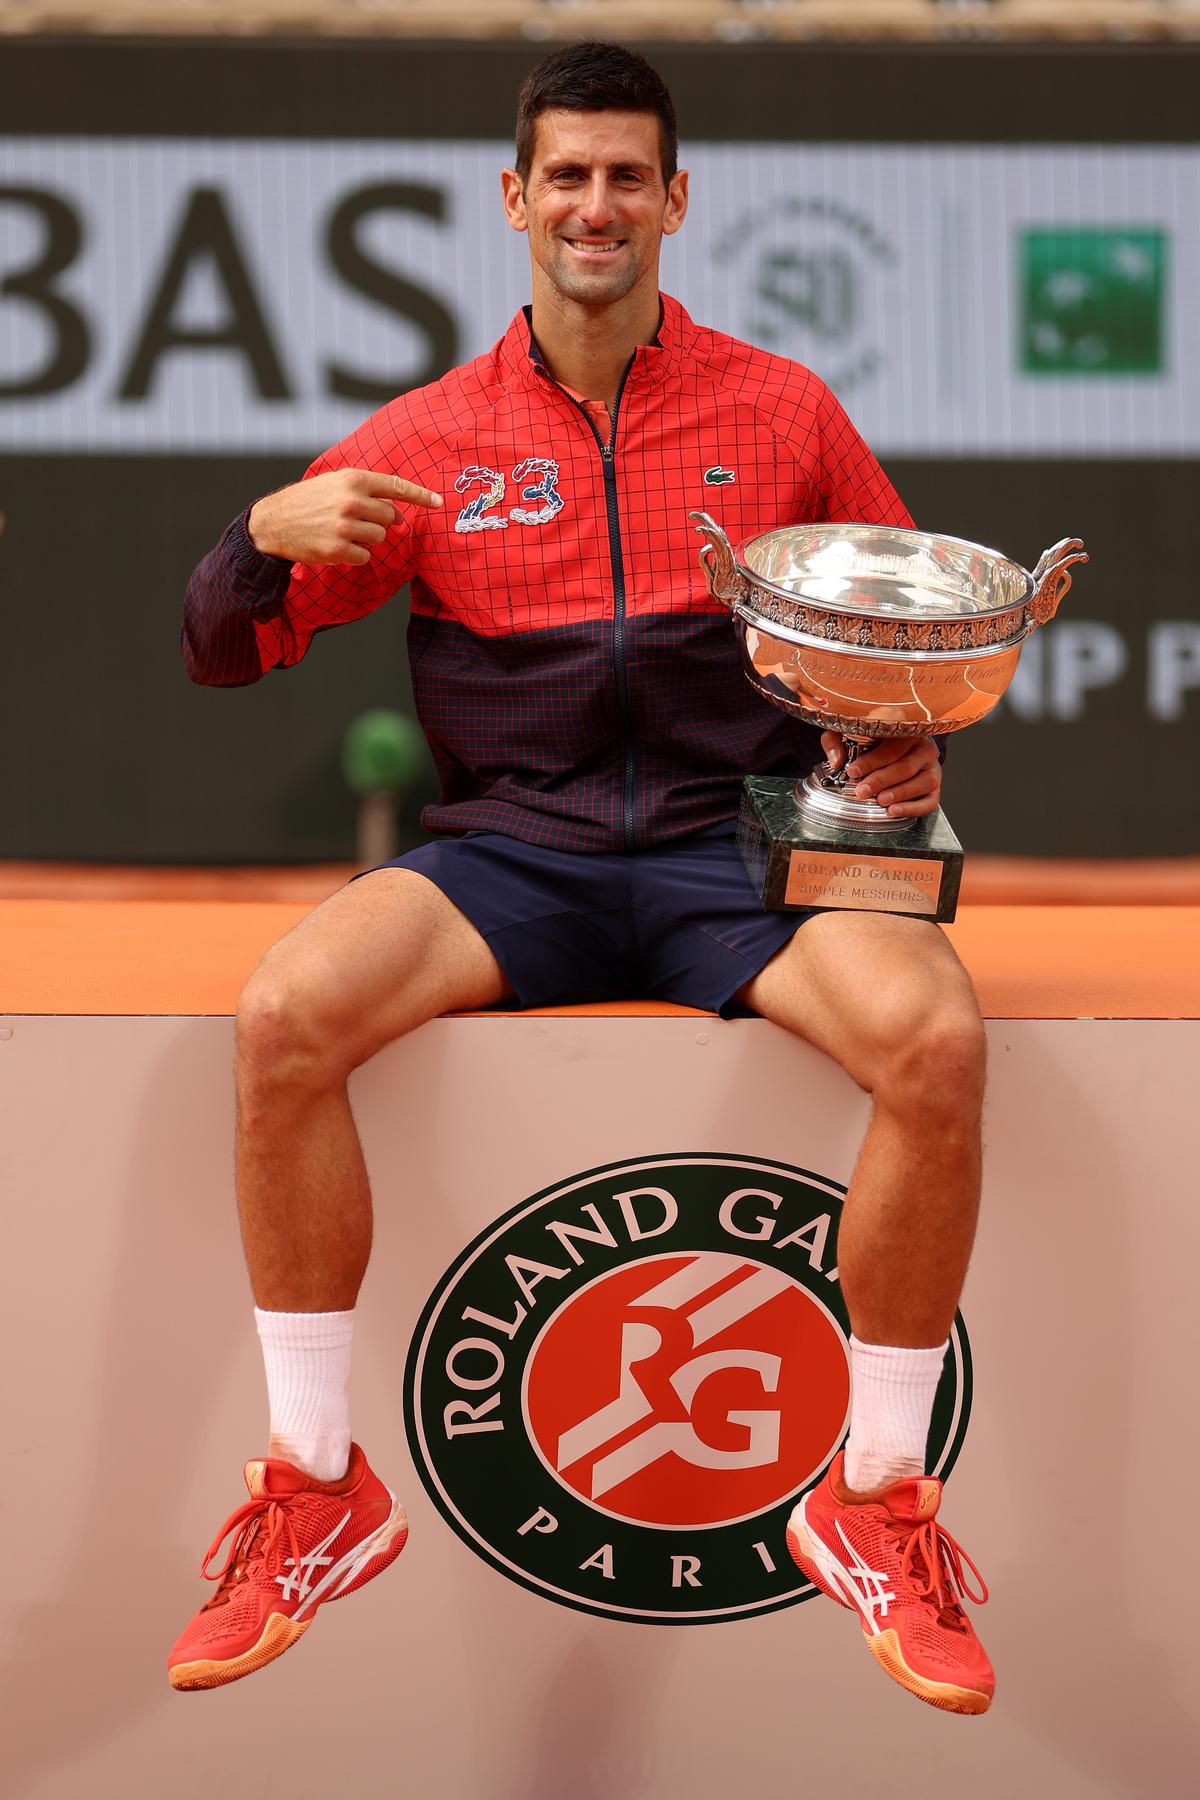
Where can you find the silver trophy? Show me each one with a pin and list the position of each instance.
(872, 632)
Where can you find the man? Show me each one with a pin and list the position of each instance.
(590, 724)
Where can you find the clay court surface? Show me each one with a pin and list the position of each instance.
(163, 952)
(987, 881)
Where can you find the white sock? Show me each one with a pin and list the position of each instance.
(891, 1404)
(307, 1358)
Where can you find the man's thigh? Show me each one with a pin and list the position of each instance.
(378, 958)
(861, 985)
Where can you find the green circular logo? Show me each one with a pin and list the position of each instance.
(619, 1391)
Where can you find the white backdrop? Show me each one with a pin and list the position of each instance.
(134, 1393)
(895, 271)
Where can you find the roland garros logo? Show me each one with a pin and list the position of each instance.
(618, 1392)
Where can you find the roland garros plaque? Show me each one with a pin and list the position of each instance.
(872, 632)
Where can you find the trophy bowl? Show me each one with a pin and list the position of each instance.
(870, 631)
(873, 631)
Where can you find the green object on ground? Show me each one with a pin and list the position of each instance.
(382, 752)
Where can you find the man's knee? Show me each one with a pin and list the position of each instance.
(932, 1055)
(290, 1031)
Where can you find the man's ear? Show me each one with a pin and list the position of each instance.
(513, 193)
(677, 203)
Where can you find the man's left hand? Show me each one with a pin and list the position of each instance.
(901, 773)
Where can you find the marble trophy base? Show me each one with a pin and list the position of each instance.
(797, 862)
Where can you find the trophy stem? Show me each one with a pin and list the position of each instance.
(827, 796)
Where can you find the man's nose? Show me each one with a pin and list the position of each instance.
(597, 207)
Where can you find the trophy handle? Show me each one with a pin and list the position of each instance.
(725, 580)
(1051, 579)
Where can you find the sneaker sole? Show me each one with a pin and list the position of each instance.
(885, 1648)
(280, 1632)
(810, 1555)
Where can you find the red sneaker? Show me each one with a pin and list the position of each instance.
(904, 1573)
(297, 1543)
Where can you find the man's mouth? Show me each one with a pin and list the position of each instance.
(597, 247)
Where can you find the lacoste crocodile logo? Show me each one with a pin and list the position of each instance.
(718, 477)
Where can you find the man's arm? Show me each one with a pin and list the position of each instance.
(903, 774)
(234, 585)
(296, 561)
(854, 489)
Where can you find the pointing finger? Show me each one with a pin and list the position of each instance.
(395, 487)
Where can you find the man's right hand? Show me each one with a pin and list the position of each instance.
(338, 517)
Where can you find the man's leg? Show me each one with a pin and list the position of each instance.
(887, 998)
(380, 957)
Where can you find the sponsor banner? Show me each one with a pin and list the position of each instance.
(253, 295)
(619, 1391)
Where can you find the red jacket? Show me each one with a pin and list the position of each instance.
(577, 685)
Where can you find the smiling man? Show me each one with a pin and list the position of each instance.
(582, 697)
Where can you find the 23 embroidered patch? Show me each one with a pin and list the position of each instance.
(536, 478)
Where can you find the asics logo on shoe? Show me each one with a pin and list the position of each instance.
(298, 1585)
(867, 1587)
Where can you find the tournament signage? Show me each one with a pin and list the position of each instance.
(191, 294)
(617, 1393)
(1093, 302)
(821, 270)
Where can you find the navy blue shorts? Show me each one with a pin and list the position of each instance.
(679, 922)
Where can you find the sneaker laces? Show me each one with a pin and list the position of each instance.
(250, 1544)
(931, 1552)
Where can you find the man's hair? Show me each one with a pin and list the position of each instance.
(592, 77)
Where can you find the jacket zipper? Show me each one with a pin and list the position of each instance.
(617, 560)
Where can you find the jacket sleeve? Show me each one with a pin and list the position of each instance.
(233, 587)
(853, 489)
(245, 612)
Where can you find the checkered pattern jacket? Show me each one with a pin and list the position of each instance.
(578, 686)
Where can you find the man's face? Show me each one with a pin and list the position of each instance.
(594, 205)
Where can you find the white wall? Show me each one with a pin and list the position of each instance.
(134, 1393)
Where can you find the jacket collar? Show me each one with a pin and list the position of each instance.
(521, 357)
